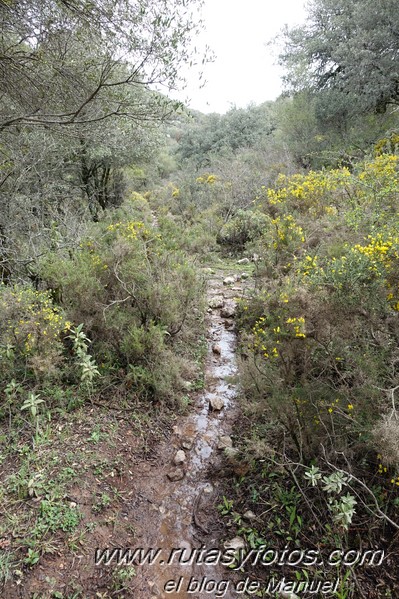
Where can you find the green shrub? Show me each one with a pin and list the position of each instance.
(135, 297)
(320, 335)
(31, 330)
(245, 227)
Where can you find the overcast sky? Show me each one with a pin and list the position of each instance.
(243, 71)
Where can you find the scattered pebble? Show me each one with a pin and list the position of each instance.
(249, 515)
(236, 543)
(229, 280)
(216, 403)
(179, 458)
(216, 302)
(225, 441)
(228, 310)
(175, 474)
(187, 443)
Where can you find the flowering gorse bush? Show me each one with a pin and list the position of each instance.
(320, 332)
(311, 192)
(130, 230)
(31, 329)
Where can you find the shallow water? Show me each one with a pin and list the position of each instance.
(179, 506)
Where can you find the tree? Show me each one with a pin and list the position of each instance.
(350, 47)
(320, 129)
(70, 62)
(79, 95)
(214, 134)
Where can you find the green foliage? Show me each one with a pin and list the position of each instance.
(91, 43)
(87, 364)
(31, 328)
(348, 47)
(214, 134)
(122, 577)
(245, 227)
(319, 342)
(134, 296)
(343, 507)
(32, 404)
(6, 563)
(226, 506)
(32, 557)
(69, 139)
(55, 516)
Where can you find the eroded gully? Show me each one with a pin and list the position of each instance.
(179, 516)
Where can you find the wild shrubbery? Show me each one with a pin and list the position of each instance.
(320, 337)
(126, 292)
(31, 329)
(245, 227)
(327, 317)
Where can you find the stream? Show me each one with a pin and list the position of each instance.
(176, 512)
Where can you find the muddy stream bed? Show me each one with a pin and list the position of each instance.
(178, 517)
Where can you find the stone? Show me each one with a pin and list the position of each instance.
(236, 543)
(216, 403)
(245, 275)
(229, 280)
(225, 441)
(175, 474)
(249, 515)
(228, 310)
(216, 302)
(216, 349)
(179, 458)
(187, 443)
(243, 261)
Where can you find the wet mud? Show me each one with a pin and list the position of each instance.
(177, 513)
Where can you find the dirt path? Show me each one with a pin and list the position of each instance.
(180, 514)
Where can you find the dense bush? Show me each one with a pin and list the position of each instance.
(120, 305)
(326, 323)
(319, 341)
(245, 227)
(31, 329)
(134, 296)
